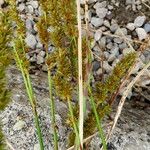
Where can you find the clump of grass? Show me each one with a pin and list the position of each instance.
(5, 60)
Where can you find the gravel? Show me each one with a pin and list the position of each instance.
(31, 40)
(131, 26)
(139, 21)
(97, 22)
(101, 12)
(141, 33)
(147, 27)
(98, 35)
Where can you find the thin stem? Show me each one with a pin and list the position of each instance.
(98, 121)
(52, 106)
(29, 91)
(74, 124)
(80, 76)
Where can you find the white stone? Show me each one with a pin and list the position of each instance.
(101, 12)
(29, 24)
(139, 21)
(37, 147)
(30, 9)
(31, 40)
(130, 26)
(40, 59)
(42, 53)
(19, 125)
(34, 4)
(97, 22)
(100, 5)
(107, 67)
(98, 35)
(107, 23)
(141, 33)
(21, 7)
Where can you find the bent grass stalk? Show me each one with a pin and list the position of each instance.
(29, 91)
(52, 107)
(98, 121)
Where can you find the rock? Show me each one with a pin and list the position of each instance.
(37, 147)
(96, 65)
(82, 2)
(33, 59)
(113, 28)
(139, 21)
(42, 53)
(19, 125)
(98, 35)
(106, 23)
(112, 57)
(21, 7)
(109, 45)
(40, 59)
(130, 26)
(97, 22)
(110, 7)
(130, 2)
(44, 68)
(147, 27)
(100, 5)
(34, 4)
(101, 12)
(115, 50)
(127, 50)
(30, 40)
(30, 9)
(141, 33)
(102, 42)
(118, 40)
(123, 46)
(107, 67)
(29, 24)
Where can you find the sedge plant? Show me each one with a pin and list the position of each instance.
(69, 69)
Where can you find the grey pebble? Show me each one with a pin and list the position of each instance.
(130, 26)
(30, 40)
(100, 5)
(101, 12)
(97, 22)
(40, 59)
(98, 35)
(21, 7)
(114, 27)
(147, 27)
(96, 65)
(139, 21)
(30, 9)
(141, 33)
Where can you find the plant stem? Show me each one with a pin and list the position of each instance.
(29, 91)
(80, 76)
(98, 122)
(74, 124)
(52, 106)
